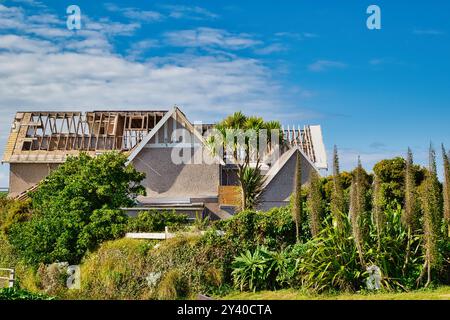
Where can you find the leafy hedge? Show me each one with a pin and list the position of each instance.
(20, 294)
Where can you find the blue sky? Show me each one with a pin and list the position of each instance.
(375, 92)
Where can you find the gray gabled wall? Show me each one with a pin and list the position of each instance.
(280, 188)
(165, 179)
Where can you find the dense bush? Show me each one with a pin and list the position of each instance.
(155, 221)
(76, 207)
(117, 270)
(248, 229)
(136, 269)
(20, 294)
(51, 238)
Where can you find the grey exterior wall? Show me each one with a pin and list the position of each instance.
(165, 179)
(279, 190)
(23, 176)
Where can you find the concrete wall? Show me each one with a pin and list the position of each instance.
(23, 176)
(165, 179)
(279, 190)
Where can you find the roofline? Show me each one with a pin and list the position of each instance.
(149, 135)
(167, 116)
(278, 166)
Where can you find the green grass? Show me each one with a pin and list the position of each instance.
(440, 293)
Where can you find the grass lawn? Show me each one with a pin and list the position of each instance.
(441, 293)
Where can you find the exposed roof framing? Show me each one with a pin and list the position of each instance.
(309, 140)
(51, 136)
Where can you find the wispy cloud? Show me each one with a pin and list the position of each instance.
(41, 69)
(428, 32)
(33, 3)
(296, 35)
(209, 37)
(135, 13)
(190, 12)
(324, 65)
(137, 49)
(165, 12)
(271, 48)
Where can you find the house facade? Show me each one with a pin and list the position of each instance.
(181, 171)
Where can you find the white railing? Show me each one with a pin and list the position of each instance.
(10, 278)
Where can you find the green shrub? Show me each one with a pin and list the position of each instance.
(155, 221)
(117, 270)
(254, 270)
(20, 294)
(65, 237)
(13, 211)
(173, 286)
(330, 262)
(248, 229)
(77, 207)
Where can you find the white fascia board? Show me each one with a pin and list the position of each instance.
(149, 135)
(319, 147)
(277, 166)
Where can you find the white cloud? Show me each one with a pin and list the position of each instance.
(324, 65)
(209, 37)
(137, 49)
(135, 14)
(17, 44)
(428, 32)
(40, 71)
(190, 12)
(271, 48)
(296, 35)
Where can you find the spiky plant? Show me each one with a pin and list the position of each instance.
(446, 188)
(337, 205)
(315, 205)
(358, 208)
(297, 206)
(431, 203)
(252, 182)
(378, 209)
(410, 211)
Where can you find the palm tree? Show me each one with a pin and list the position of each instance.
(240, 146)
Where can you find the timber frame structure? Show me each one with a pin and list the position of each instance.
(52, 136)
(40, 141)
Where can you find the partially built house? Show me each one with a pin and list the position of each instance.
(40, 141)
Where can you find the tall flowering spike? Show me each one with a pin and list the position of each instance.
(357, 207)
(410, 210)
(297, 206)
(431, 201)
(446, 188)
(337, 205)
(378, 208)
(315, 205)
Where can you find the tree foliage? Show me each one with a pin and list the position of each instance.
(76, 207)
(238, 136)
